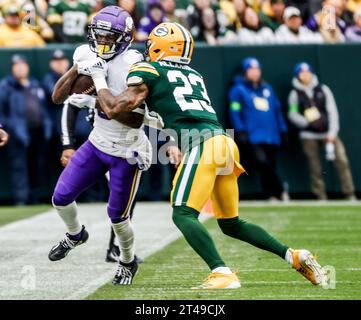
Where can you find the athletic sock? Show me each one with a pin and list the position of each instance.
(223, 270)
(69, 214)
(125, 234)
(112, 238)
(289, 257)
(253, 234)
(186, 219)
(76, 237)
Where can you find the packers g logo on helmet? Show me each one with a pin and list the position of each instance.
(161, 31)
(170, 42)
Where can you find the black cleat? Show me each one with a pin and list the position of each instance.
(113, 254)
(125, 273)
(61, 250)
(138, 259)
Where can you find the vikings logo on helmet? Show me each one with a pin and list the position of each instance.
(110, 32)
(129, 24)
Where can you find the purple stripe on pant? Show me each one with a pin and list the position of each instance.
(89, 165)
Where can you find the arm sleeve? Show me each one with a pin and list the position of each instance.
(334, 124)
(235, 109)
(68, 121)
(293, 111)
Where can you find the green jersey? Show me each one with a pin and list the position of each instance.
(73, 15)
(178, 94)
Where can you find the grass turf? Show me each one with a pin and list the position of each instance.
(333, 233)
(11, 214)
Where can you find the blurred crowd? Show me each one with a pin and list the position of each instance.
(32, 23)
(261, 130)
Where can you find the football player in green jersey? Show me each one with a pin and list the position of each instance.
(69, 19)
(210, 164)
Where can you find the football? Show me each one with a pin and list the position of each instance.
(83, 84)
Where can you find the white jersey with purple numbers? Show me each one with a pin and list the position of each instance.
(111, 136)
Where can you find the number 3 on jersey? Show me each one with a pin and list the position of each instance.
(188, 89)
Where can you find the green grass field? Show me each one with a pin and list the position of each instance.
(11, 214)
(332, 232)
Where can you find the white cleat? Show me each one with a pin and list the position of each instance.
(306, 264)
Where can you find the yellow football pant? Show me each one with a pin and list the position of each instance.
(210, 169)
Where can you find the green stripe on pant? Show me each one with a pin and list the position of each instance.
(185, 179)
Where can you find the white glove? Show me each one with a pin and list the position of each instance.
(94, 68)
(153, 119)
(82, 101)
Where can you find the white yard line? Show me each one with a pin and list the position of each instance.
(26, 272)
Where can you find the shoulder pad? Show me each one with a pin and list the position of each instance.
(145, 67)
(82, 53)
(133, 56)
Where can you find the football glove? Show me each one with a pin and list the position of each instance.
(82, 101)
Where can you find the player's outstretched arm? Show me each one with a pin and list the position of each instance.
(63, 85)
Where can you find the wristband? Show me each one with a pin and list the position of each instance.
(100, 83)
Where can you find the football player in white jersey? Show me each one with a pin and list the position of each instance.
(122, 149)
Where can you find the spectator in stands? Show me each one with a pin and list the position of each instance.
(194, 15)
(131, 7)
(353, 5)
(347, 14)
(234, 11)
(256, 115)
(292, 31)
(35, 22)
(331, 28)
(59, 65)
(23, 104)
(252, 31)
(303, 5)
(209, 30)
(353, 33)
(313, 110)
(256, 5)
(4, 137)
(69, 20)
(172, 13)
(272, 17)
(13, 34)
(154, 15)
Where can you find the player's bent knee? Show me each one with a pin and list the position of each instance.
(121, 221)
(180, 213)
(230, 227)
(117, 215)
(60, 200)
